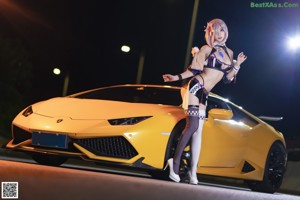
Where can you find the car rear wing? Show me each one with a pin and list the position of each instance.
(269, 118)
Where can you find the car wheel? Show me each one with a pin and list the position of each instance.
(171, 148)
(184, 166)
(185, 158)
(51, 160)
(274, 170)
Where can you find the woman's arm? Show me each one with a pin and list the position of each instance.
(199, 57)
(232, 74)
(195, 68)
(183, 75)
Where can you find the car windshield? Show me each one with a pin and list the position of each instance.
(135, 94)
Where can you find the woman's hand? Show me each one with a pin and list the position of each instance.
(169, 78)
(194, 51)
(241, 58)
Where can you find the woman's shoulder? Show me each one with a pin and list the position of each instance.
(206, 49)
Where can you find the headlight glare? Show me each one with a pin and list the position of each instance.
(127, 121)
(28, 111)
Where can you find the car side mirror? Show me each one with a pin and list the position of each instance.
(217, 113)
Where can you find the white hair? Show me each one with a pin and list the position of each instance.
(212, 28)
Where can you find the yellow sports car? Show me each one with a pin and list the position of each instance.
(139, 126)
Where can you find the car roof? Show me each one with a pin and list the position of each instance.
(144, 85)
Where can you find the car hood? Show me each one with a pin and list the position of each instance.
(97, 109)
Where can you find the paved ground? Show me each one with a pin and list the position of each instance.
(291, 183)
(55, 183)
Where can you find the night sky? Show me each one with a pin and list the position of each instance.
(84, 37)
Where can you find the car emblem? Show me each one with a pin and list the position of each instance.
(59, 120)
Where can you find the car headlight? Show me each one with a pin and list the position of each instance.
(27, 112)
(127, 121)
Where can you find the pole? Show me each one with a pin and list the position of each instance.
(191, 35)
(140, 67)
(66, 85)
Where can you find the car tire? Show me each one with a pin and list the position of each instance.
(171, 148)
(274, 170)
(51, 160)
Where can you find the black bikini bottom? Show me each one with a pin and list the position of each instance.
(197, 89)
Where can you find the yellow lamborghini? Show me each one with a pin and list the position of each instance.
(138, 126)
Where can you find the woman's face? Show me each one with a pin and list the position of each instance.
(220, 34)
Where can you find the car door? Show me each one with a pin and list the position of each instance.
(224, 141)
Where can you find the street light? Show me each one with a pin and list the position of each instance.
(294, 42)
(125, 48)
(57, 71)
(139, 75)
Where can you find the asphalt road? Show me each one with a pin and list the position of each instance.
(87, 182)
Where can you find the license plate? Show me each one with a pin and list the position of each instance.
(51, 140)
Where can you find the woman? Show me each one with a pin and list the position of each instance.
(212, 63)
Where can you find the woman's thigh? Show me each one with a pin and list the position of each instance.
(193, 100)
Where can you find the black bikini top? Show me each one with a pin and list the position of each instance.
(214, 63)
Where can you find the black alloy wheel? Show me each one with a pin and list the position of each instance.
(274, 170)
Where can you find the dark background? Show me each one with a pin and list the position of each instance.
(84, 37)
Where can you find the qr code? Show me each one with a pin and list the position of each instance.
(9, 190)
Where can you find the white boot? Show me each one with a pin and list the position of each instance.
(193, 178)
(196, 148)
